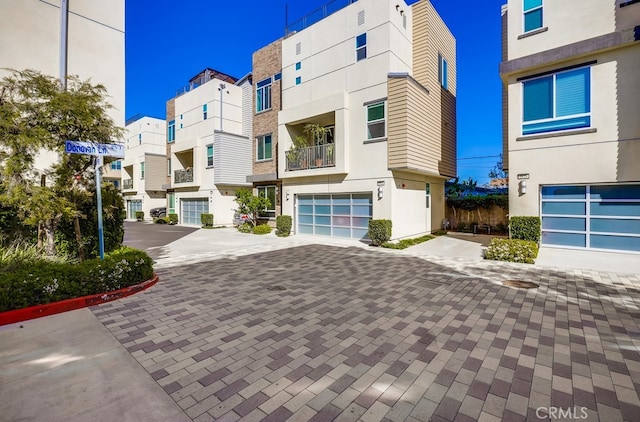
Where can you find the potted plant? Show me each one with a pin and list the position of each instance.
(295, 154)
(316, 133)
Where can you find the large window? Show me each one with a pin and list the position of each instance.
(532, 15)
(209, 155)
(443, 72)
(361, 46)
(171, 131)
(375, 121)
(264, 148)
(263, 95)
(269, 192)
(557, 102)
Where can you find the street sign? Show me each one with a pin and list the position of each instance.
(90, 148)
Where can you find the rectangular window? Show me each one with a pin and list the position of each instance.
(209, 155)
(376, 121)
(142, 170)
(171, 131)
(204, 112)
(269, 192)
(559, 101)
(361, 46)
(298, 65)
(140, 138)
(172, 203)
(168, 166)
(277, 76)
(263, 95)
(264, 148)
(532, 15)
(443, 72)
(298, 80)
(116, 165)
(427, 191)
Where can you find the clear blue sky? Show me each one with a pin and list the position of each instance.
(168, 42)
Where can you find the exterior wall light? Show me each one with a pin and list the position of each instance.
(379, 192)
(288, 195)
(522, 187)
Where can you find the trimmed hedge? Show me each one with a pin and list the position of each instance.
(262, 229)
(512, 250)
(379, 231)
(525, 228)
(161, 220)
(473, 202)
(283, 225)
(206, 220)
(139, 215)
(405, 243)
(40, 282)
(173, 218)
(245, 228)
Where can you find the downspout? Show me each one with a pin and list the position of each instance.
(64, 40)
(222, 88)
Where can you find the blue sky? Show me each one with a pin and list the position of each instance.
(168, 42)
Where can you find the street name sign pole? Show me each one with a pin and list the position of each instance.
(98, 151)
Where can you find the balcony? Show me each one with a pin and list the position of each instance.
(319, 156)
(317, 15)
(183, 176)
(127, 183)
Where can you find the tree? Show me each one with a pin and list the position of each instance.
(37, 114)
(499, 177)
(251, 205)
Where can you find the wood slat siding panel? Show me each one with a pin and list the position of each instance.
(155, 169)
(231, 159)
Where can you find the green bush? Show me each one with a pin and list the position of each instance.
(161, 220)
(206, 220)
(405, 243)
(173, 218)
(245, 228)
(461, 226)
(512, 250)
(525, 228)
(473, 202)
(262, 229)
(283, 225)
(139, 215)
(379, 231)
(39, 281)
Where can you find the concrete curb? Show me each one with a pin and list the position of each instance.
(37, 311)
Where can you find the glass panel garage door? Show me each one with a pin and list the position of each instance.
(192, 208)
(591, 216)
(342, 215)
(133, 206)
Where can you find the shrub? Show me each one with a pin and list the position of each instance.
(173, 218)
(439, 233)
(39, 281)
(283, 225)
(206, 220)
(139, 215)
(405, 243)
(379, 231)
(245, 228)
(462, 226)
(262, 229)
(525, 228)
(161, 220)
(512, 250)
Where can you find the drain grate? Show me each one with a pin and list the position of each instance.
(276, 288)
(520, 284)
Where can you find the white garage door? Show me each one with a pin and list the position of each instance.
(342, 215)
(192, 208)
(592, 216)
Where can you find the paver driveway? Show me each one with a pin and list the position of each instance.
(332, 333)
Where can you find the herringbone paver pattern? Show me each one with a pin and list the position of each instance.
(320, 333)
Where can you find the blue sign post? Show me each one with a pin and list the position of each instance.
(99, 151)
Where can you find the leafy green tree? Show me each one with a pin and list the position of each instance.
(499, 177)
(37, 114)
(251, 205)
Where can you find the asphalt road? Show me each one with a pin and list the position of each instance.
(147, 236)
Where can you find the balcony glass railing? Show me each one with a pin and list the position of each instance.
(183, 176)
(319, 156)
(127, 184)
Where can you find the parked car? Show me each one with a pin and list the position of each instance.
(239, 219)
(158, 212)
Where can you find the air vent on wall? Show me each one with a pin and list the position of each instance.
(298, 48)
(361, 17)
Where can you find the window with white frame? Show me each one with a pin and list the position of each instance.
(558, 101)
(376, 124)
(263, 95)
(171, 131)
(209, 155)
(443, 72)
(168, 166)
(361, 46)
(264, 148)
(270, 193)
(204, 112)
(142, 170)
(116, 165)
(532, 16)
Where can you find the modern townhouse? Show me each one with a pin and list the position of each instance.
(208, 146)
(571, 127)
(365, 96)
(144, 166)
(61, 38)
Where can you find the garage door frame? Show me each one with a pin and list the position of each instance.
(326, 214)
(183, 214)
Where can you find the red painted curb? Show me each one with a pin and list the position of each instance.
(37, 311)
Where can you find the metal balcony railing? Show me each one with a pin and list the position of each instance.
(183, 176)
(319, 156)
(127, 184)
(316, 16)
